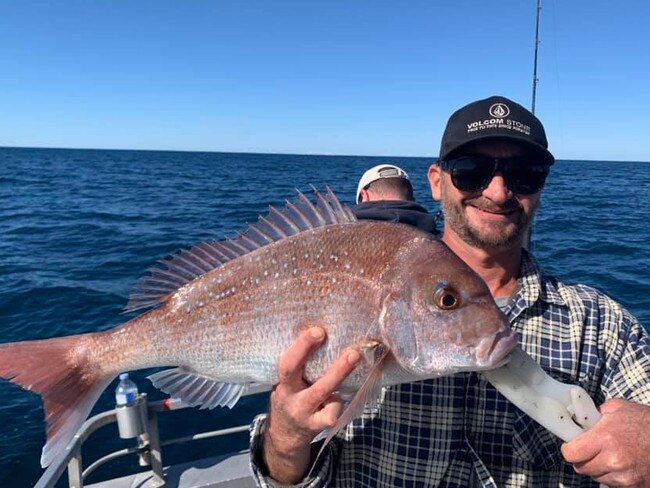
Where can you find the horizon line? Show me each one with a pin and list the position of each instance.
(435, 158)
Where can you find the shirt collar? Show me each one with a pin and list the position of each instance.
(534, 285)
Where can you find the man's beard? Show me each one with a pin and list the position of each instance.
(496, 239)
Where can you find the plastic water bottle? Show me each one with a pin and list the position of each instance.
(126, 392)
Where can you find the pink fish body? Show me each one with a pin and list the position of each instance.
(227, 310)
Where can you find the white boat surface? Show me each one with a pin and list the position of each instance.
(229, 470)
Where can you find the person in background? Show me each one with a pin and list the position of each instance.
(385, 182)
(385, 193)
(458, 431)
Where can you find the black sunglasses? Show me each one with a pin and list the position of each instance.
(473, 173)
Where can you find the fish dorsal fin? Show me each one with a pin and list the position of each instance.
(195, 390)
(297, 216)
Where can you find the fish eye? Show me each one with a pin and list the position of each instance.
(446, 298)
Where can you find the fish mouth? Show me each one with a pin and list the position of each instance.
(492, 352)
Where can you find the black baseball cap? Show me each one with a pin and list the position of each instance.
(494, 118)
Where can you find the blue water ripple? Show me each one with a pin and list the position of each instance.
(79, 227)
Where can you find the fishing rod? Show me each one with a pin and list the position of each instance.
(535, 79)
(528, 237)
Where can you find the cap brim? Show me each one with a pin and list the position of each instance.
(541, 151)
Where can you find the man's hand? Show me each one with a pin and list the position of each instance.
(616, 451)
(299, 411)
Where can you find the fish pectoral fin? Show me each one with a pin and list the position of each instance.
(370, 390)
(368, 393)
(196, 390)
(373, 351)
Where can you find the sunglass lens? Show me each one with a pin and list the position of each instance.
(472, 174)
(526, 179)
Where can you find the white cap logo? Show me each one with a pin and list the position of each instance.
(499, 110)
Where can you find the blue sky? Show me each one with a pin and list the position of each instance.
(338, 77)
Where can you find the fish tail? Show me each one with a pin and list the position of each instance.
(68, 383)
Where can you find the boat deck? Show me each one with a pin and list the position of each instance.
(225, 471)
(228, 471)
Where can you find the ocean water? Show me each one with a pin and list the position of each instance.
(79, 227)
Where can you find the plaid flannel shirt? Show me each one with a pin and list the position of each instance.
(458, 431)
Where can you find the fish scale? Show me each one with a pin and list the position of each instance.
(225, 311)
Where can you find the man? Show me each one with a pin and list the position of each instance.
(459, 431)
(385, 193)
(385, 182)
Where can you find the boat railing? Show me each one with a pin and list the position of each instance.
(148, 447)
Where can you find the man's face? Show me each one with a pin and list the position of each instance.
(494, 218)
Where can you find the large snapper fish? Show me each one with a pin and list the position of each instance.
(227, 310)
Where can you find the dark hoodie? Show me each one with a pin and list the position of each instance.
(397, 211)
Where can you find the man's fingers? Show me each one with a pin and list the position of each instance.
(327, 416)
(294, 358)
(581, 449)
(591, 469)
(322, 389)
(612, 405)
